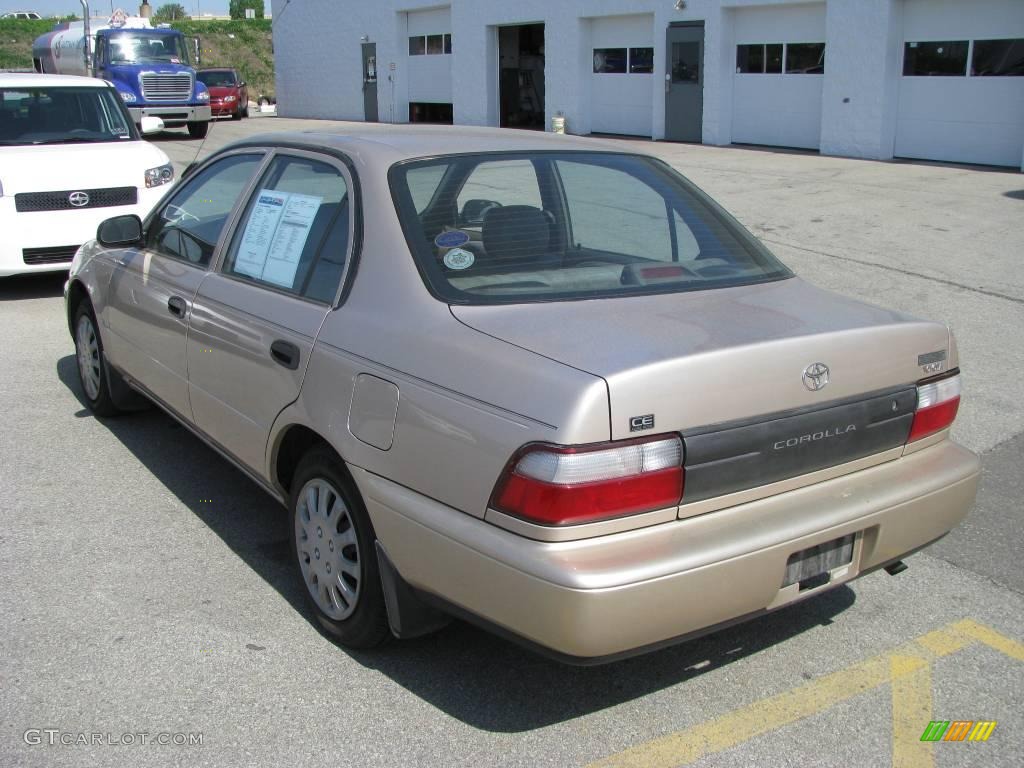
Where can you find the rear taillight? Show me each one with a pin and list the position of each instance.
(937, 404)
(557, 485)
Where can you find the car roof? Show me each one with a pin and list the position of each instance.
(393, 143)
(34, 80)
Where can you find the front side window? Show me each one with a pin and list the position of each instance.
(551, 226)
(295, 231)
(936, 58)
(62, 116)
(190, 224)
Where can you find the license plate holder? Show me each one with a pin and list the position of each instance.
(813, 565)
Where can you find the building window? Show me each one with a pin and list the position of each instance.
(429, 112)
(947, 57)
(610, 61)
(430, 45)
(641, 61)
(998, 58)
(759, 58)
(805, 58)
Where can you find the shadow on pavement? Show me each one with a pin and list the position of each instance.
(471, 675)
(48, 285)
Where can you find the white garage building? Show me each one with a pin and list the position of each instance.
(928, 79)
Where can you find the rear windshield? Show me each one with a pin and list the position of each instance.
(521, 227)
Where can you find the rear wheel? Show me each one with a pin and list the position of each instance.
(335, 550)
(198, 130)
(91, 371)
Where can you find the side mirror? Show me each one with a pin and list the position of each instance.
(242, 84)
(120, 231)
(150, 124)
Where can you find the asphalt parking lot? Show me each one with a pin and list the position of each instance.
(147, 586)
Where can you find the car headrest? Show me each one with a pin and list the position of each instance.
(514, 232)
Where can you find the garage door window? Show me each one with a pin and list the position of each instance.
(759, 58)
(935, 58)
(805, 58)
(430, 45)
(995, 58)
(609, 61)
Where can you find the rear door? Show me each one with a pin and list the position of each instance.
(254, 319)
(150, 293)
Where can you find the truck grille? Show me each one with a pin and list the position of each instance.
(176, 87)
(55, 255)
(60, 201)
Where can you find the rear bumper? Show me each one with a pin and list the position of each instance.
(610, 595)
(172, 115)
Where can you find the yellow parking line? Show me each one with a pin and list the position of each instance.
(911, 711)
(902, 666)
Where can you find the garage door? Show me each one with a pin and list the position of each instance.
(622, 87)
(430, 48)
(961, 92)
(780, 65)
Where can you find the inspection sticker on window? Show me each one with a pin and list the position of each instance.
(459, 258)
(275, 235)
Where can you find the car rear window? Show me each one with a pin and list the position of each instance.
(522, 227)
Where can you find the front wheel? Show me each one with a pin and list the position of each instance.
(334, 545)
(91, 370)
(198, 130)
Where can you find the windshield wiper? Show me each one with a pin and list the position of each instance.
(70, 140)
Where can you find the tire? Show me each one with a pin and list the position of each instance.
(198, 130)
(245, 110)
(237, 115)
(92, 372)
(338, 569)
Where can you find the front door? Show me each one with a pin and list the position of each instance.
(255, 319)
(684, 82)
(151, 291)
(370, 82)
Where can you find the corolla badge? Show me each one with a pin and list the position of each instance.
(79, 199)
(815, 376)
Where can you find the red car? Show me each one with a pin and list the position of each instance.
(228, 92)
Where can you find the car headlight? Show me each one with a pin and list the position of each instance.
(230, 98)
(128, 97)
(162, 174)
(203, 95)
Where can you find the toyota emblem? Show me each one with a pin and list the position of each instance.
(816, 376)
(79, 199)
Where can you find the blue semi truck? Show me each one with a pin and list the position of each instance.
(151, 67)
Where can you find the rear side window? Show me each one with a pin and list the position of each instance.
(568, 225)
(295, 231)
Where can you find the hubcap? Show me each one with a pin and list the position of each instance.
(327, 549)
(88, 357)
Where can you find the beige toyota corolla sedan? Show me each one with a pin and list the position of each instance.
(534, 382)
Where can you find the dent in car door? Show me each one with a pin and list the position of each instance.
(151, 290)
(254, 322)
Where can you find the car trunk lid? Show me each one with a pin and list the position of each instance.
(735, 371)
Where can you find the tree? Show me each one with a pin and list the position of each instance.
(169, 12)
(237, 8)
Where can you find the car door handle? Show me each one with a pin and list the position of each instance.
(176, 306)
(285, 353)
